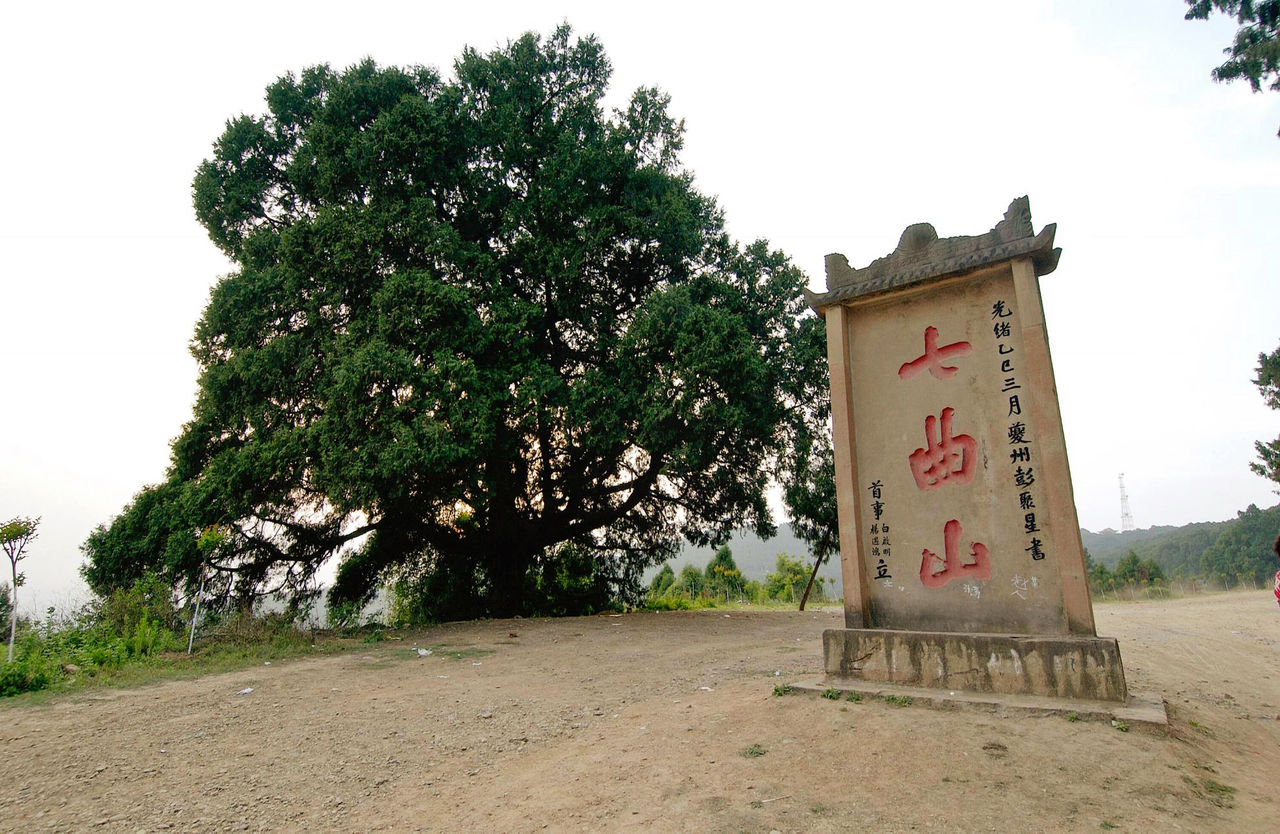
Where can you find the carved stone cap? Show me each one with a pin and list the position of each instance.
(922, 256)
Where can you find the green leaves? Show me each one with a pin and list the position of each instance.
(479, 332)
(1254, 53)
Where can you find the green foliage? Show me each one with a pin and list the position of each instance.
(754, 751)
(148, 598)
(471, 322)
(782, 689)
(662, 581)
(16, 535)
(29, 673)
(831, 694)
(569, 580)
(1254, 53)
(855, 697)
(1242, 555)
(6, 601)
(898, 700)
(153, 535)
(723, 579)
(1268, 382)
(1140, 572)
(672, 602)
(788, 579)
(691, 582)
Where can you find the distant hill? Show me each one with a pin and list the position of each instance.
(1173, 548)
(756, 557)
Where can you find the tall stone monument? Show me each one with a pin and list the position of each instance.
(960, 548)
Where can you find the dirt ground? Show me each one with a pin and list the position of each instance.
(648, 721)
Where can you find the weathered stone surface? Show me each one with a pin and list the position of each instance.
(1077, 667)
(922, 256)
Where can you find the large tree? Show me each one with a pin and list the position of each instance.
(476, 324)
(1254, 53)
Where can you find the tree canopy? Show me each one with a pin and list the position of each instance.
(16, 535)
(476, 326)
(1268, 382)
(1254, 54)
(1243, 552)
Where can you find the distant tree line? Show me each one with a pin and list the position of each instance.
(1232, 554)
(721, 581)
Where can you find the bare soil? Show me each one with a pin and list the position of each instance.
(654, 721)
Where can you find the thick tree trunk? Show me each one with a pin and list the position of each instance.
(508, 565)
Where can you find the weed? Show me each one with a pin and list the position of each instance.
(1219, 794)
(783, 689)
(856, 697)
(755, 751)
(1108, 825)
(898, 700)
(831, 694)
(1120, 725)
(1073, 716)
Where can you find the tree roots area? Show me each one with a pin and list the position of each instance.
(667, 721)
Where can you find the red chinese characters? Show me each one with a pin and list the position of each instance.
(934, 356)
(952, 567)
(946, 457)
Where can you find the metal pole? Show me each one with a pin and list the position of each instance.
(195, 616)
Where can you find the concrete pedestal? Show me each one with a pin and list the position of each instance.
(1079, 667)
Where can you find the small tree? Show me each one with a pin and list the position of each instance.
(664, 579)
(15, 535)
(723, 576)
(691, 581)
(788, 579)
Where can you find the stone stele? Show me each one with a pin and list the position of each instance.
(960, 548)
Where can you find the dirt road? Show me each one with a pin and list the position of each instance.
(653, 722)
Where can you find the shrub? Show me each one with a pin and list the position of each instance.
(149, 598)
(26, 674)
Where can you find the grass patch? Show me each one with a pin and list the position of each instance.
(755, 751)
(1219, 794)
(898, 700)
(831, 694)
(1108, 825)
(1073, 716)
(855, 697)
(1120, 725)
(783, 689)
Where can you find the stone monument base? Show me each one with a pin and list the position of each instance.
(1082, 668)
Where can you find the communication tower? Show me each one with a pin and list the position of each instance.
(1126, 517)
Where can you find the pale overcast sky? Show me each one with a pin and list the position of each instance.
(822, 127)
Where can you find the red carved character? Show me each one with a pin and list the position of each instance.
(934, 356)
(952, 567)
(945, 458)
